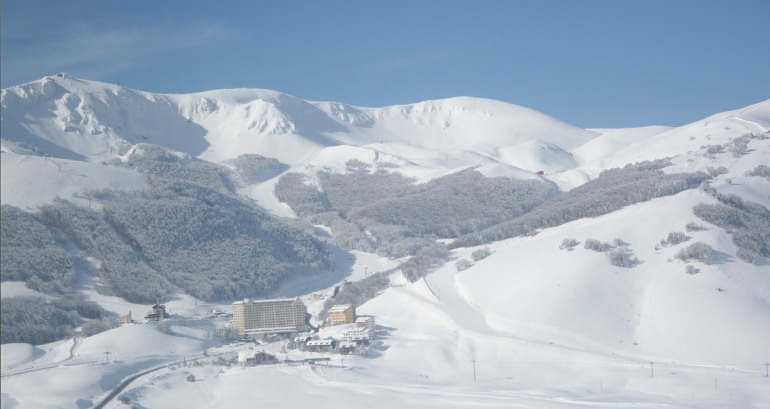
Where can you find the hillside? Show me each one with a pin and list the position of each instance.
(509, 258)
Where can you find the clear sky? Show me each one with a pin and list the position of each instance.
(592, 63)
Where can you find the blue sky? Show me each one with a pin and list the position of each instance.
(590, 63)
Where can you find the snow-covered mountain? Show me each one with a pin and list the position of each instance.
(89, 121)
(546, 320)
(221, 125)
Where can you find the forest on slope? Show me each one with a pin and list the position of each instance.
(189, 230)
(379, 210)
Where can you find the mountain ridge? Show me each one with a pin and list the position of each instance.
(95, 121)
(249, 115)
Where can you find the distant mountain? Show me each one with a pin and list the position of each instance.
(588, 237)
(86, 120)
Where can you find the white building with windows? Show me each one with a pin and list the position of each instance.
(276, 316)
(358, 335)
(365, 322)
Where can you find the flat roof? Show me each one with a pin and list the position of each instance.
(271, 300)
(340, 307)
(270, 330)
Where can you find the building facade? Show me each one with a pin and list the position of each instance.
(365, 322)
(358, 335)
(342, 314)
(157, 313)
(276, 316)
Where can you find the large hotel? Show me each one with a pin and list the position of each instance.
(256, 317)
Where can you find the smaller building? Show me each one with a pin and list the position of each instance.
(190, 378)
(342, 314)
(126, 319)
(365, 322)
(347, 347)
(358, 335)
(261, 358)
(157, 313)
(321, 345)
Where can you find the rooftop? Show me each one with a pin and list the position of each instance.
(340, 307)
(272, 300)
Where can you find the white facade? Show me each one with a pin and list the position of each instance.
(365, 322)
(358, 335)
(255, 317)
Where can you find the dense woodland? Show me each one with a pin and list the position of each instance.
(446, 207)
(37, 320)
(29, 252)
(611, 191)
(374, 209)
(747, 222)
(188, 230)
(253, 168)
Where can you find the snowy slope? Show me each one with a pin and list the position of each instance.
(652, 310)
(29, 181)
(714, 130)
(535, 325)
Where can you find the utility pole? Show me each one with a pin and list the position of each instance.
(652, 373)
(767, 370)
(474, 370)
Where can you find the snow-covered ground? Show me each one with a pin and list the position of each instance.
(529, 326)
(443, 347)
